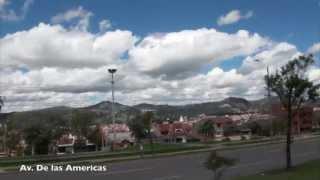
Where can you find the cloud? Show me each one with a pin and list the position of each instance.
(104, 25)
(275, 56)
(54, 46)
(51, 65)
(233, 17)
(314, 75)
(10, 14)
(182, 54)
(83, 16)
(315, 48)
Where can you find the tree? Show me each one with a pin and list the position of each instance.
(207, 129)
(13, 140)
(137, 128)
(95, 136)
(34, 136)
(1, 103)
(293, 88)
(81, 122)
(147, 123)
(217, 164)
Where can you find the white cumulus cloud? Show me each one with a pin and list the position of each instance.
(233, 17)
(80, 14)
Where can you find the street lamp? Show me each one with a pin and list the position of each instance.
(268, 93)
(4, 127)
(112, 72)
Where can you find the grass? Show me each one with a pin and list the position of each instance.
(133, 151)
(307, 171)
(251, 141)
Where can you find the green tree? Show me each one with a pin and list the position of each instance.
(207, 129)
(34, 135)
(81, 123)
(95, 136)
(1, 103)
(137, 128)
(13, 140)
(293, 88)
(147, 123)
(218, 164)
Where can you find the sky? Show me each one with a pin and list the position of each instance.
(57, 53)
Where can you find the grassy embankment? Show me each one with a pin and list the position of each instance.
(92, 156)
(307, 171)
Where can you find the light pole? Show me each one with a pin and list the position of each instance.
(268, 96)
(4, 138)
(112, 72)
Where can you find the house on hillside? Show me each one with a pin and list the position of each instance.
(226, 127)
(302, 121)
(119, 134)
(174, 132)
(67, 144)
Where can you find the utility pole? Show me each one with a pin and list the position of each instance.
(4, 138)
(112, 71)
(269, 100)
(268, 96)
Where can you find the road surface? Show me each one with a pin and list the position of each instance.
(188, 167)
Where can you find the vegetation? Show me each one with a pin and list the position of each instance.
(207, 129)
(91, 156)
(293, 88)
(147, 124)
(96, 137)
(81, 123)
(12, 140)
(1, 103)
(218, 164)
(307, 171)
(137, 128)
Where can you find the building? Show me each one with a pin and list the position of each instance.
(220, 122)
(119, 134)
(174, 132)
(302, 121)
(66, 144)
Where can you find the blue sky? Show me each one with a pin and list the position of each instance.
(176, 51)
(294, 21)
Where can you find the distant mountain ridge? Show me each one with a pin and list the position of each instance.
(231, 105)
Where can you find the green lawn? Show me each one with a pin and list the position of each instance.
(132, 151)
(307, 171)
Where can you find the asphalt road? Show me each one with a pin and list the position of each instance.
(187, 167)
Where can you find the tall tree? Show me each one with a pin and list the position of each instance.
(207, 129)
(137, 128)
(147, 123)
(81, 122)
(34, 135)
(95, 136)
(1, 102)
(12, 141)
(293, 88)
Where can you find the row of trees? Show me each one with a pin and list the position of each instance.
(41, 130)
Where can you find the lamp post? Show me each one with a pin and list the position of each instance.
(4, 126)
(112, 72)
(268, 95)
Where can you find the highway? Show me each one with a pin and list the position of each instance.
(188, 167)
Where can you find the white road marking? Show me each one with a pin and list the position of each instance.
(124, 171)
(167, 178)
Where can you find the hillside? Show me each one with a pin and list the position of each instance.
(122, 112)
